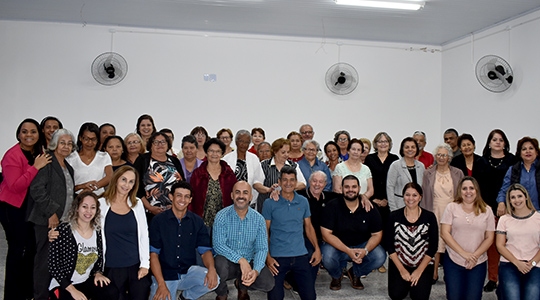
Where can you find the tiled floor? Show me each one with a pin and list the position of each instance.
(376, 285)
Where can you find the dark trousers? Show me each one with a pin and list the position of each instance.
(88, 288)
(18, 282)
(314, 269)
(398, 288)
(125, 284)
(301, 269)
(463, 284)
(228, 270)
(42, 279)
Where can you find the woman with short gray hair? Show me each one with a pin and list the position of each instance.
(440, 184)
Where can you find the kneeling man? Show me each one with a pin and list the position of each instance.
(175, 234)
(241, 245)
(351, 234)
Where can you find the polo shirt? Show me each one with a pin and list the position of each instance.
(316, 207)
(175, 242)
(235, 238)
(287, 225)
(351, 228)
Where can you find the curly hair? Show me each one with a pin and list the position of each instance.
(73, 215)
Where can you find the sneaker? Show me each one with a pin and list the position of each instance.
(335, 284)
(490, 286)
(356, 283)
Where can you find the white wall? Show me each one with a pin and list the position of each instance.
(276, 83)
(468, 107)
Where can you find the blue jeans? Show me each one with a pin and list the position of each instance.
(301, 268)
(191, 283)
(333, 260)
(463, 284)
(515, 285)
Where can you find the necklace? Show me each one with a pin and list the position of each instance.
(498, 165)
(412, 220)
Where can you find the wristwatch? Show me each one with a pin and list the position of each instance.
(367, 251)
(533, 263)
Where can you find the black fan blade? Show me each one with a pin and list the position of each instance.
(500, 69)
(492, 75)
(109, 70)
(510, 79)
(341, 79)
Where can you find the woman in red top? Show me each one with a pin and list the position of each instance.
(212, 183)
(19, 166)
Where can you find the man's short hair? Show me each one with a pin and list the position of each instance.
(319, 172)
(287, 170)
(350, 177)
(451, 130)
(182, 185)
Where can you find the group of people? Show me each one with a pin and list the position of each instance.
(98, 216)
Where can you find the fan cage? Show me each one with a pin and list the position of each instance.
(106, 59)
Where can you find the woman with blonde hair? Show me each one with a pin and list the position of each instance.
(518, 240)
(125, 237)
(135, 147)
(467, 227)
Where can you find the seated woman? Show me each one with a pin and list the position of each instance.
(76, 252)
(117, 150)
(212, 183)
(296, 153)
(158, 172)
(189, 161)
(51, 193)
(467, 227)
(518, 240)
(225, 135)
(135, 147)
(125, 238)
(145, 127)
(257, 136)
(405, 170)
(48, 126)
(411, 238)
(202, 137)
(93, 168)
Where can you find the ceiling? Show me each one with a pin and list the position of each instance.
(439, 22)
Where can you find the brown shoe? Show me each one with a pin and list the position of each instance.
(243, 295)
(335, 284)
(356, 283)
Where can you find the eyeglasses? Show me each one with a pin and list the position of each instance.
(382, 142)
(157, 143)
(310, 150)
(63, 144)
(343, 139)
(87, 139)
(214, 151)
(440, 155)
(306, 132)
(133, 143)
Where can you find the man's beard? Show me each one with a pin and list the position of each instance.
(350, 198)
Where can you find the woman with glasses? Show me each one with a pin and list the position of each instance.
(212, 183)
(342, 138)
(135, 147)
(440, 185)
(201, 135)
(93, 168)
(158, 171)
(225, 135)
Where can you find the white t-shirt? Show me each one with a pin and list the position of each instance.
(94, 171)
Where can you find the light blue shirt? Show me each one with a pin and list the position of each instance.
(287, 225)
(234, 238)
(307, 169)
(527, 179)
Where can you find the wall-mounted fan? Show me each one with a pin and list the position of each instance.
(109, 68)
(341, 79)
(494, 73)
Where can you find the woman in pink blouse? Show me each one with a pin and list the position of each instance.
(467, 228)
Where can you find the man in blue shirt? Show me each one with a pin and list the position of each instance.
(241, 244)
(175, 234)
(286, 220)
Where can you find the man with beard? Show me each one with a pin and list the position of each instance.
(424, 157)
(351, 234)
(241, 245)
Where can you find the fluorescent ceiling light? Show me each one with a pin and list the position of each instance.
(384, 4)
